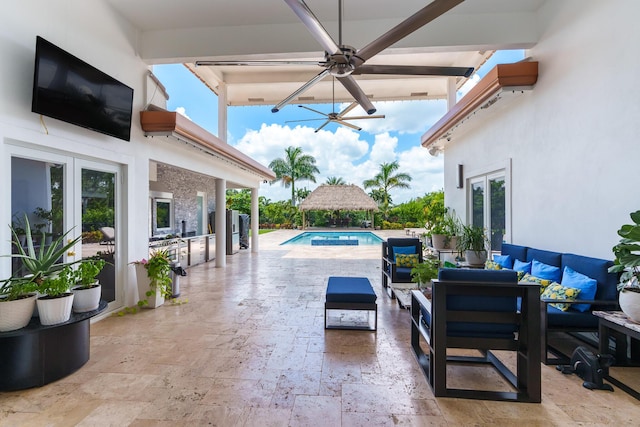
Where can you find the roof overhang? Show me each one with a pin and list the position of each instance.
(166, 123)
(503, 81)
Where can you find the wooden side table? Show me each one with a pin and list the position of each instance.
(617, 325)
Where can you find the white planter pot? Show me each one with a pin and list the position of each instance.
(630, 304)
(441, 241)
(475, 258)
(16, 314)
(155, 300)
(55, 310)
(86, 299)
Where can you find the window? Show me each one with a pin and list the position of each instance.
(489, 204)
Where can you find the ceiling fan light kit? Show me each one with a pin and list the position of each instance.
(343, 61)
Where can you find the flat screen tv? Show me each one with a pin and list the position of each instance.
(68, 89)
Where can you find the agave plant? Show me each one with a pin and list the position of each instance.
(44, 260)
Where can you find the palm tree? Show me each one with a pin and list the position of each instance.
(293, 167)
(384, 181)
(335, 180)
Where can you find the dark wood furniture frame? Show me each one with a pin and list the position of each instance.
(526, 342)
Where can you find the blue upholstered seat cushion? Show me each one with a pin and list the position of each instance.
(545, 271)
(480, 303)
(570, 319)
(587, 286)
(504, 260)
(515, 251)
(350, 289)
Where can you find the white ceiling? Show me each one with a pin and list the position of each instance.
(184, 31)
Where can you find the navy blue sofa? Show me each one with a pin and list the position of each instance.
(555, 320)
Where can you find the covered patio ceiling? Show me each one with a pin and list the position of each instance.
(191, 30)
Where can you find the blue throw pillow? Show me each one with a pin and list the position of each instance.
(587, 286)
(545, 271)
(522, 266)
(404, 250)
(503, 260)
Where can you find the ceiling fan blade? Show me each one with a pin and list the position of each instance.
(304, 120)
(414, 70)
(349, 108)
(300, 90)
(314, 26)
(255, 63)
(349, 125)
(378, 116)
(323, 125)
(425, 15)
(315, 111)
(352, 87)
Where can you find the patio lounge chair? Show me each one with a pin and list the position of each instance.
(391, 272)
(484, 306)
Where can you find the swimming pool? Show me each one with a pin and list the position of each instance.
(334, 238)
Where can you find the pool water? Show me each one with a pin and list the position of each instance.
(334, 238)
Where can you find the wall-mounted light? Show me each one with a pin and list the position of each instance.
(460, 177)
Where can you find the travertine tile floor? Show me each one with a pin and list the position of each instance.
(249, 349)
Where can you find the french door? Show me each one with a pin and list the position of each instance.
(488, 206)
(57, 193)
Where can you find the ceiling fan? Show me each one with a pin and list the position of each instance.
(343, 61)
(337, 117)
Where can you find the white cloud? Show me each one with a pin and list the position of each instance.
(343, 153)
(182, 111)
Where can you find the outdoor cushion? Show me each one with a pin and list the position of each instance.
(570, 319)
(545, 271)
(557, 291)
(587, 286)
(407, 260)
(522, 266)
(546, 257)
(595, 268)
(503, 260)
(471, 303)
(404, 250)
(350, 289)
(492, 265)
(533, 279)
(515, 251)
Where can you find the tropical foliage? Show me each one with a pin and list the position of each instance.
(335, 180)
(295, 166)
(384, 181)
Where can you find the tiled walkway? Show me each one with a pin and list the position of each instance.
(249, 349)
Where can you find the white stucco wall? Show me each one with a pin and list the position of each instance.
(572, 141)
(92, 31)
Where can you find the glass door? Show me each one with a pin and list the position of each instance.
(57, 193)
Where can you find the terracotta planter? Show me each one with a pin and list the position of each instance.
(144, 285)
(55, 310)
(17, 313)
(630, 304)
(86, 299)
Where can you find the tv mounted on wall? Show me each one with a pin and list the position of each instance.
(68, 89)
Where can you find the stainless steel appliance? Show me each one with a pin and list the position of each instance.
(233, 232)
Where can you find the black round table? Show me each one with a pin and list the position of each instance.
(37, 355)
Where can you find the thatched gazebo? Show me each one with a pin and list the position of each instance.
(338, 197)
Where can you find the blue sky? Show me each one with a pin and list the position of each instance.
(339, 151)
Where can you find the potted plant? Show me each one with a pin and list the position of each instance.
(54, 306)
(87, 290)
(627, 263)
(473, 241)
(424, 272)
(154, 279)
(17, 300)
(444, 231)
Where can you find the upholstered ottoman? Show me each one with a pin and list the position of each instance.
(350, 293)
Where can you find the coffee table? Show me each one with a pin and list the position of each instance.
(617, 325)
